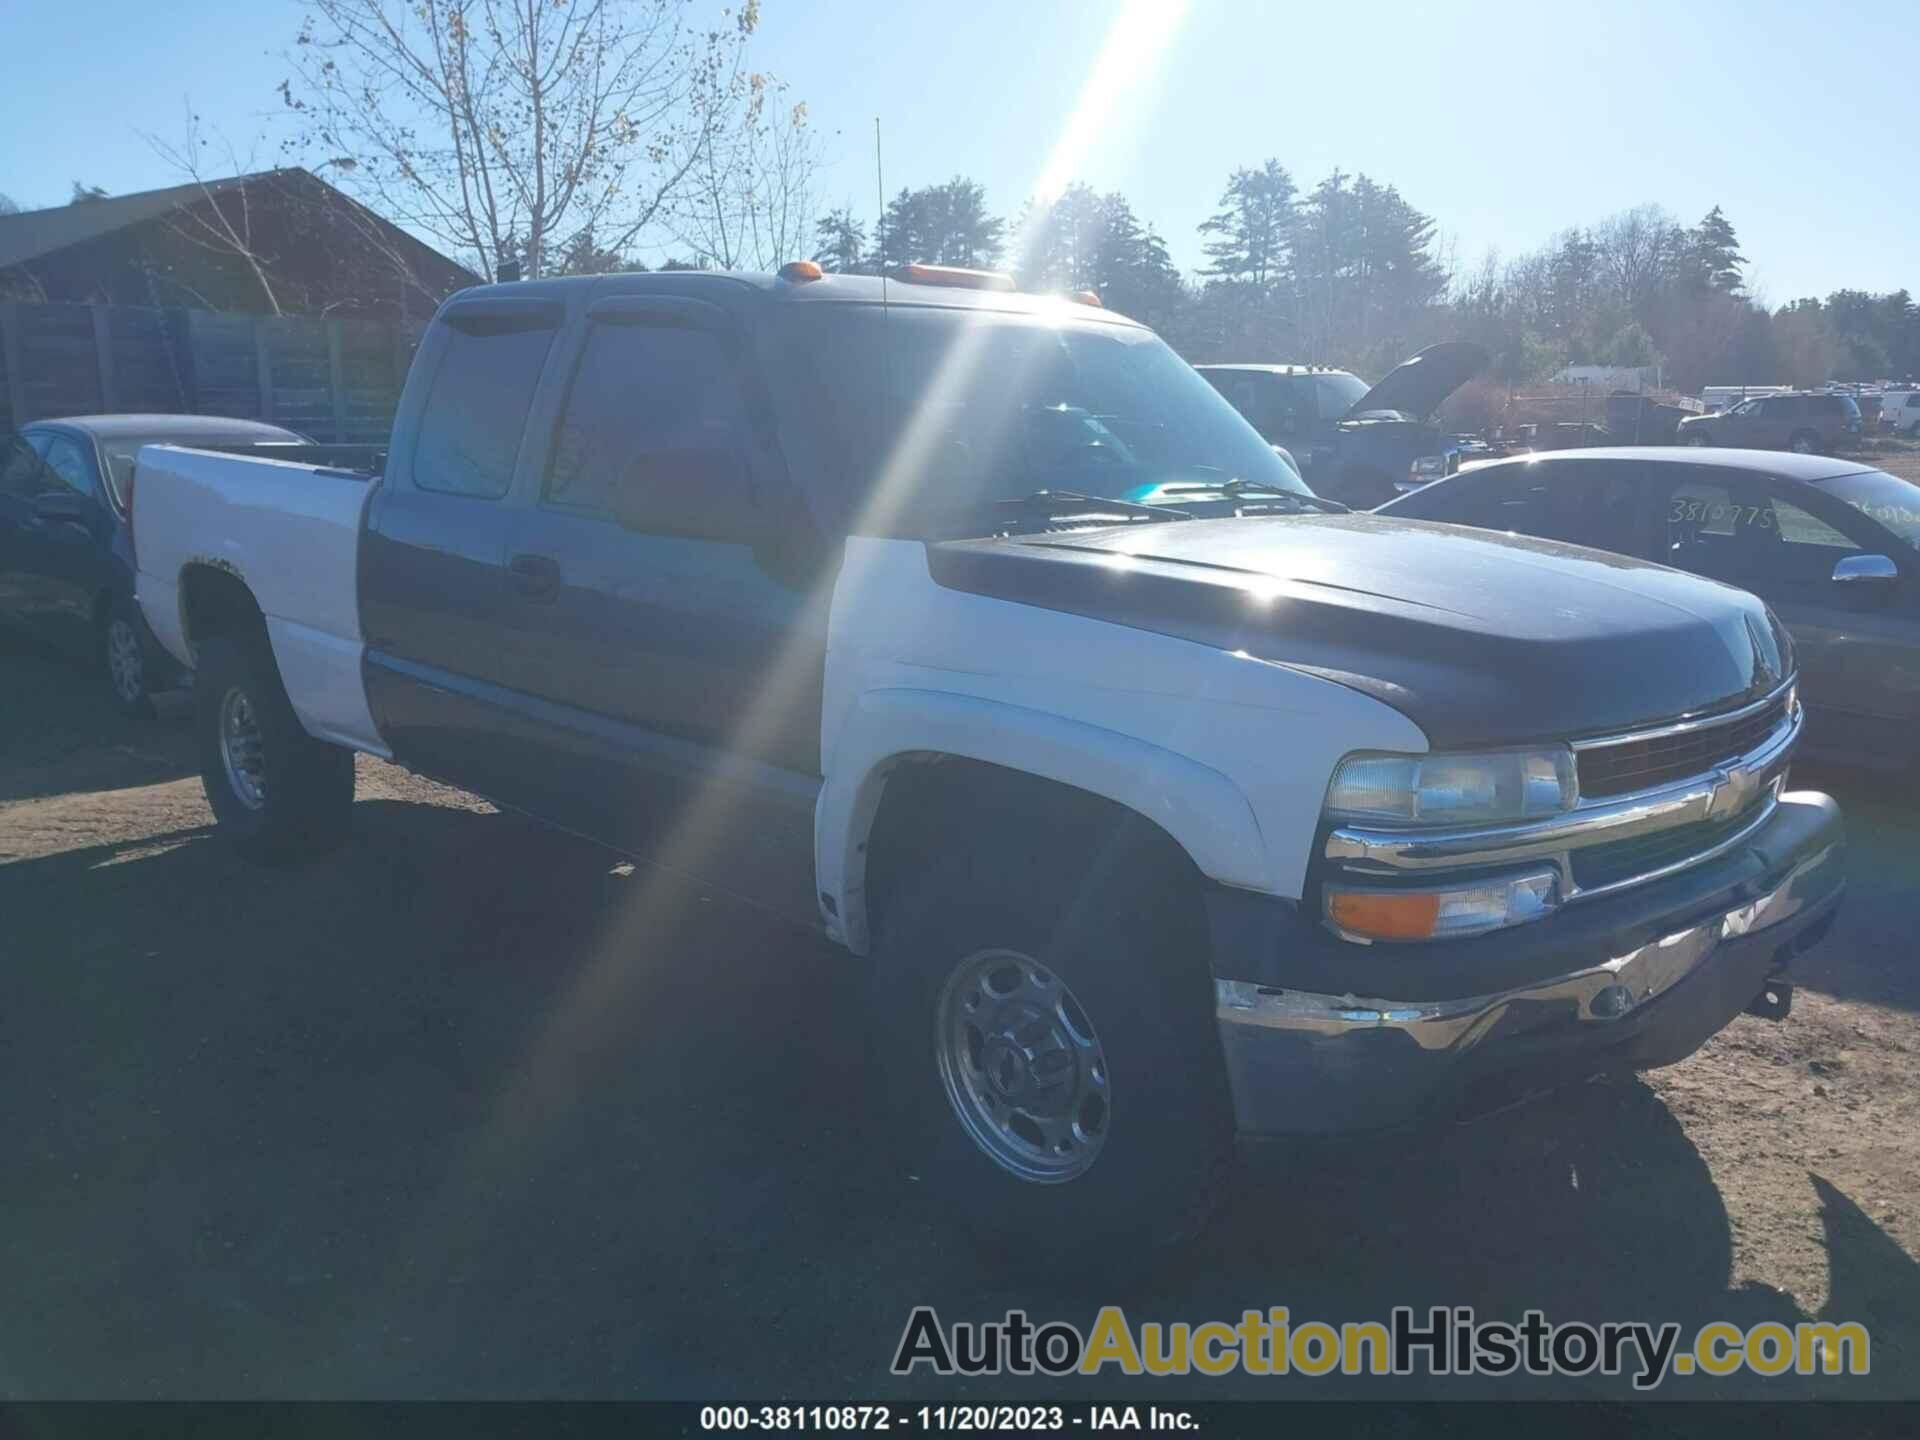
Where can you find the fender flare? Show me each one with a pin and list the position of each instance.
(1203, 811)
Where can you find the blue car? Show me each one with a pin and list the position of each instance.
(66, 538)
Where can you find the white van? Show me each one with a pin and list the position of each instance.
(1900, 412)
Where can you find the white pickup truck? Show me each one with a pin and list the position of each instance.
(1165, 800)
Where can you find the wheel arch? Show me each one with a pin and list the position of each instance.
(908, 759)
(216, 600)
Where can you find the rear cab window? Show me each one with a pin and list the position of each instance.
(476, 411)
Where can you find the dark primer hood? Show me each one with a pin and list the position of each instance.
(1480, 639)
(1416, 387)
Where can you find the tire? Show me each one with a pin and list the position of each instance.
(1697, 437)
(1122, 932)
(1913, 431)
(1804, 442)
(278, 794)
(124, 665)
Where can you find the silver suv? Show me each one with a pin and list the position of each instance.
(1808, 424)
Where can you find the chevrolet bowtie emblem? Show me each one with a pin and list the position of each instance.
(1733, 791)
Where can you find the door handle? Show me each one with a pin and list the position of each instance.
(535, 576)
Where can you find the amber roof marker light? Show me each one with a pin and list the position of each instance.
(798, 272)
(952, 276)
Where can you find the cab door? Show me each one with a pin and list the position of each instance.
(675, 653)
(436, 602)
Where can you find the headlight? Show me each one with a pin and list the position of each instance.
(1470, 789)
(1427, 467)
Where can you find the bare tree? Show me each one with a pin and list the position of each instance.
(509, 127)
(223, 220)
(748, 202)
(1638, 250)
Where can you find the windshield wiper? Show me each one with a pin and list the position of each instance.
(1238, 489)
(1061, 503)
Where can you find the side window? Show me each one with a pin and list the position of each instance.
(641, 390)
(69, 467)
(1595, 504)
(20, 469)
(1736, 530)
(1785, 407)
(1511, 497)
(477, 410)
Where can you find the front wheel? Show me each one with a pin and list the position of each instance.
(1047, 1053)
(1698, 437)
(278, 793)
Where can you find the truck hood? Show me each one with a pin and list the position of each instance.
(1416, 387)
(1478, 638)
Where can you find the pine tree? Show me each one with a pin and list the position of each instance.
(1714, 253)
(840, 243)
(1252, 232)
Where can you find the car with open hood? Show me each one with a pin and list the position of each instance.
(1160, 799)
(1356, 443)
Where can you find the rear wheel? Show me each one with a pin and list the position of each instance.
(123, 660)
(278, 793)
(1047, 1052)
(1804, 442)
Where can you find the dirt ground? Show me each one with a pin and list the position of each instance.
(473, 1110)
(1895, 454)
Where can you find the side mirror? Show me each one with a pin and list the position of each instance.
(65, 505)
(1853, 568)
(700, 494)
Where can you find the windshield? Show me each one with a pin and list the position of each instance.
(1893, 502)
(928, 415)
(1338, 393)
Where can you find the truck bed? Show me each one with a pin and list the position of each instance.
(291, 533)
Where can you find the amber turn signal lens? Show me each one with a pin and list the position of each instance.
(1384, 916)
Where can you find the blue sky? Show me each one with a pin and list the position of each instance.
(1505, 121)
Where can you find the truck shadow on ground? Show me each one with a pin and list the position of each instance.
(470, 1109)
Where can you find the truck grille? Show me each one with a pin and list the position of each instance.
(1603, 865)
(1623, 766)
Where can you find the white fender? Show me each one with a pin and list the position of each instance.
(1201, 809)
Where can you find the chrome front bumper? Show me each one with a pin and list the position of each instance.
(1305, 1062)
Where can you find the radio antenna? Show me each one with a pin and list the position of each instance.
(880, 215)
(888, 381)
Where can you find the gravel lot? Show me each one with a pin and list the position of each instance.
(470, 1109)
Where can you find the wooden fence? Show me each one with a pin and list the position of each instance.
(336, 380)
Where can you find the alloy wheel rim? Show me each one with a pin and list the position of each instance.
(242, 749)
(1022, 1066)
(124, 665)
